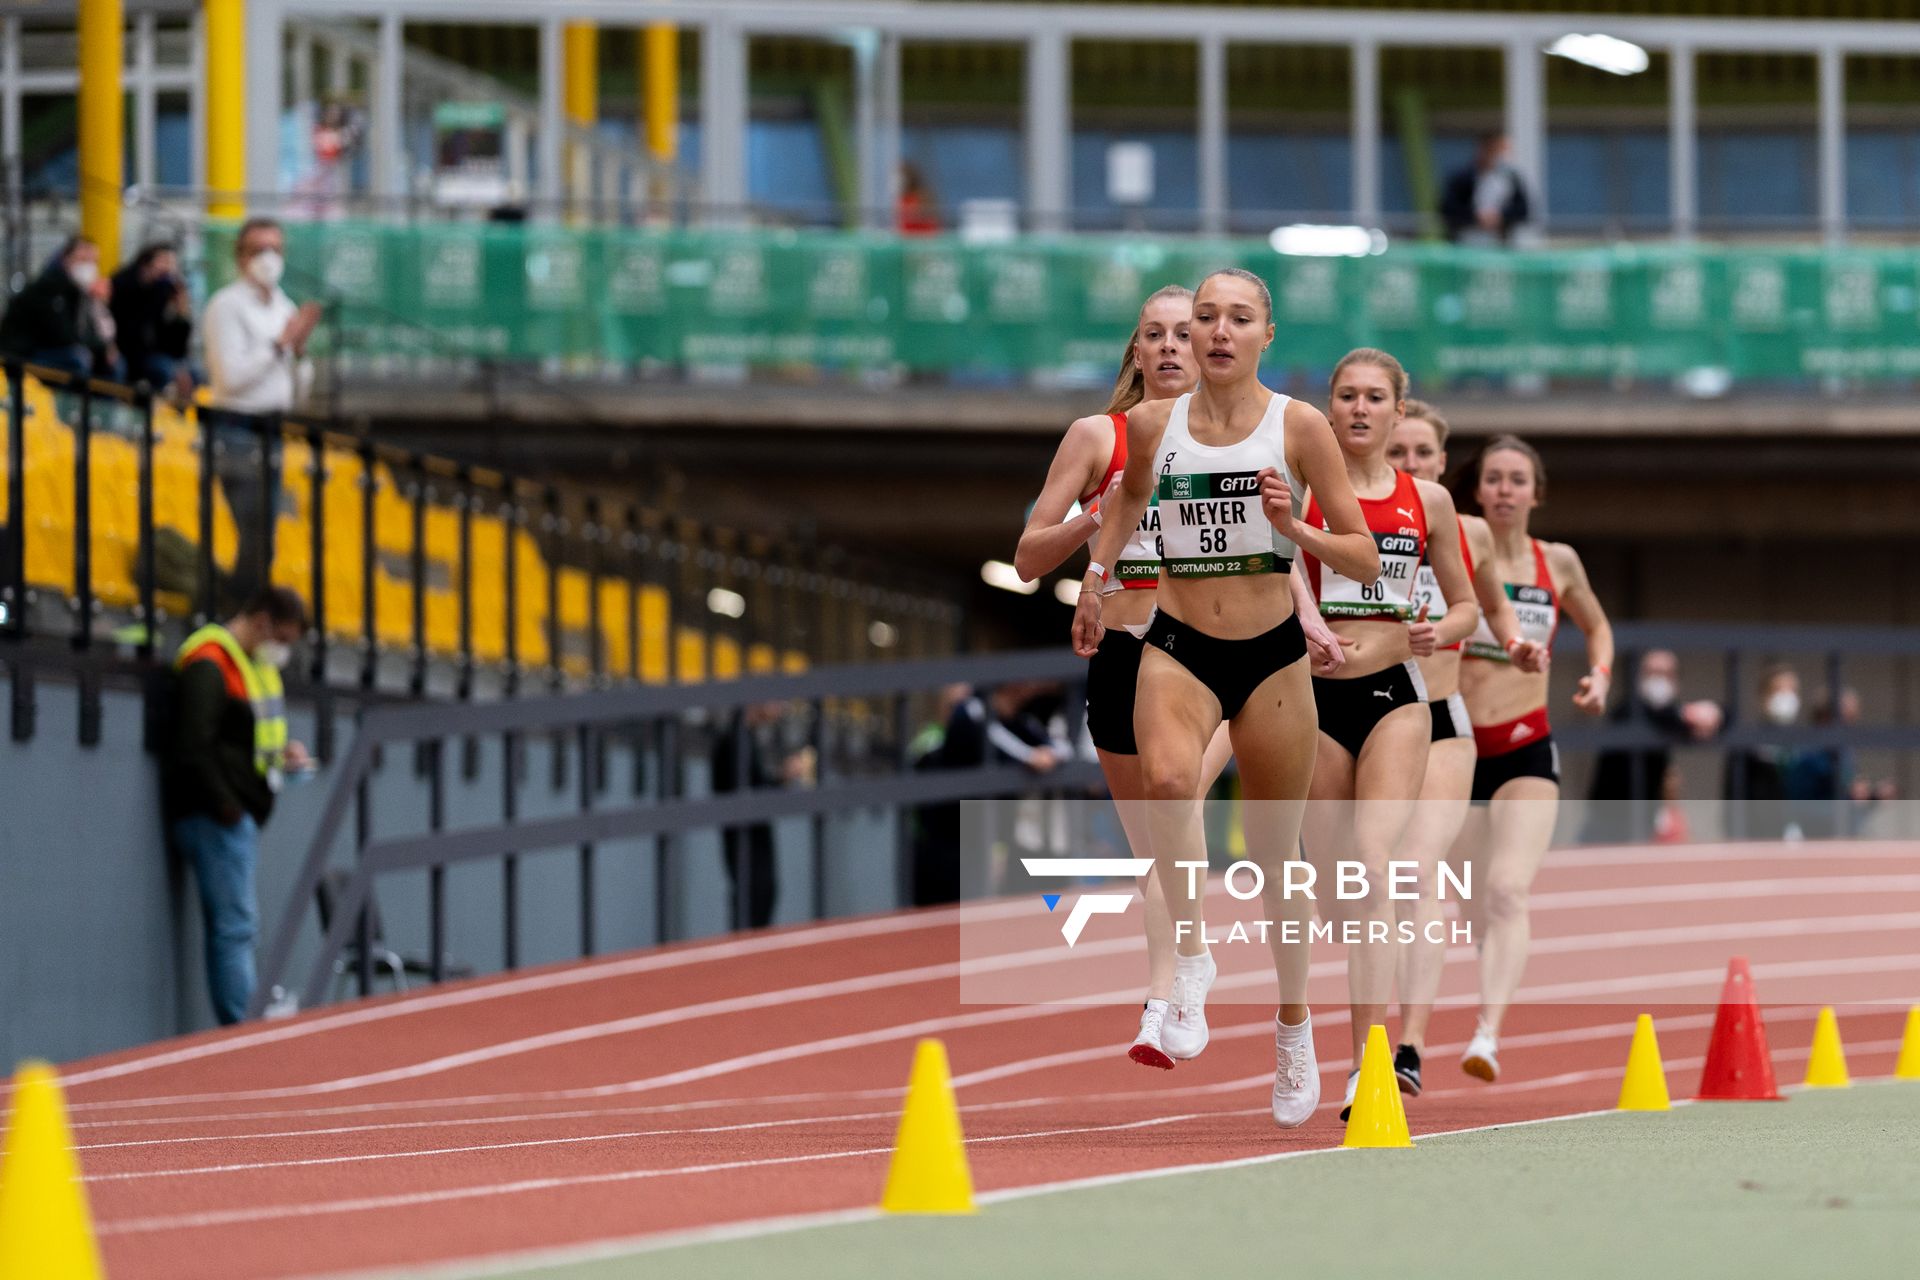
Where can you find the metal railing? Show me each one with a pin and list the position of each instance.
(127, 520)
(840, 709)
(863, 764)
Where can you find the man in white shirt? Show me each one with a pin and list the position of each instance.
(256, 341)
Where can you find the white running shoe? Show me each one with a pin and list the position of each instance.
(1296, 1074)
(1147, 1049)
(1353, 1087)
(1184, 1034)
(1481, 1060)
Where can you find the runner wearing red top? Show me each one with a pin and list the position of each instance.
(1516, 779)
(1374, 723)
(1418, 446)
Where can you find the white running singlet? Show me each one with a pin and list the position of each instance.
(1211, 522)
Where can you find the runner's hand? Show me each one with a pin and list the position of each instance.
(1591, 696)
(1420, 633)
(1326, 650)
(1276, 499)
(1530, 656)
(1087, 628)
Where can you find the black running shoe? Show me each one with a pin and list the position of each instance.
(1406, 1066)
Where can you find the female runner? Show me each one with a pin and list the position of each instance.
(1158, 365)
(1225, 644)
(1374, 723)
(1418, 446)
(1516, 779)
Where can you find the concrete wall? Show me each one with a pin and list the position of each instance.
(100, 928)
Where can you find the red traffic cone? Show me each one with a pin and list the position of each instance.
(1739, 1064)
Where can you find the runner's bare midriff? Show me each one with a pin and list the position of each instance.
(1230, 608)
(1378, 643)
(1497, 692)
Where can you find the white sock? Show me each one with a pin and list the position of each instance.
(1297, 1032)
(1156, 1000)
(1191, 964)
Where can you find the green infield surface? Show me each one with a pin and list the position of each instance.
(1826, 1184)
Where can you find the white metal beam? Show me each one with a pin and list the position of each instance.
(1833, 142)
(265, 64)
(197, 101)
(145, 104)
(886, 164)
(548, 162)
(1683, 167)
(866, 129)
(1049, 127)
(1213, 193)
(1526, 120)
(936, 20)
(9, 93)
(723, 118)
(1365, 153)
(385, 131)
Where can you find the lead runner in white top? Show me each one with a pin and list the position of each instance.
(1176, 713)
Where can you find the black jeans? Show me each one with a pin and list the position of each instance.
(763, 887)
(253, 494)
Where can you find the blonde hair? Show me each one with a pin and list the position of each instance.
(1246, 276)
(1378, 359)
(1130, 388)
(1431, 416)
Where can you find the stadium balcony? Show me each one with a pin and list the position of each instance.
(116, 537)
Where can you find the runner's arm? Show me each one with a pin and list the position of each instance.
(1050, 537)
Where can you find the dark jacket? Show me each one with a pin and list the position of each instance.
(145, 320)
(208, 767)
(1457, 204)
(50, 312)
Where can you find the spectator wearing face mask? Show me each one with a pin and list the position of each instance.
(256, 342)
(1642, 773)
(225, 757)
(153, 320)
(57, 322)
(1762, 775)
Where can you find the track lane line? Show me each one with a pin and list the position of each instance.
(571, 974)
(1815, 886)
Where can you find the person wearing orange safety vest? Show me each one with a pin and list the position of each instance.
(223, 763)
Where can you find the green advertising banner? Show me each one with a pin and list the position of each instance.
(626, 298)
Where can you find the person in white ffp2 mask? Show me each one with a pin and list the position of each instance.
(57, 321)
(256, 343)
(1624, 776)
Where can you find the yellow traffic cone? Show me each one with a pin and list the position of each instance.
(1827, 1064)
(1378, 1118)
(1645, 1086)
(1908, 1068)
(45, 1229)
(929, 1171)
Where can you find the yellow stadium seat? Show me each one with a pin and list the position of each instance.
(665, 649)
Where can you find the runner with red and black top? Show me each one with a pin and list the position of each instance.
(1516, 779)
(1374, 724)
(1419, 447)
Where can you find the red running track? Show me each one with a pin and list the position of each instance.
(758, 1077)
